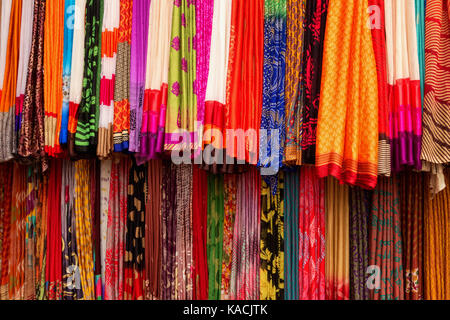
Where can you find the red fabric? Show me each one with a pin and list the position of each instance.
(54, 244)
(199, 223)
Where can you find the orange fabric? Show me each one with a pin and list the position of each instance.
(8, 96)
(347, 132)
(245, 75)
(53, 70)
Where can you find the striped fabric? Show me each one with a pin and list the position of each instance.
(436, 111)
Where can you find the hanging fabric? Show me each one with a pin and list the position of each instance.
(311, 229)
(245, 267)
(245, 62)
(313, 40)
(6, 178)
(360, 206)
(347, 131)
(272, 241)
(53, 74)
(412, 200)
(214, 245)
(152, 246)
(86, 136)
(122, 82)
(200, 234)
(272, 142)
(134, 260)
(138, 60)
(337, 260)
(385, 246)
(291, 235)
(436, 244)
(294, 90)
(183, 224)
(76, 78)
(111, 20)
(181, 117)
(156, 81)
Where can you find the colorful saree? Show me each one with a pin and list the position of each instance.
(181, 117)
(404, 84)
(111, 20)
(360, 206)
(244, 97)
(437, 243)
(386, 280)
(53, 74)
(272, 241)
(436, 119)
(86, 136)
(347, 130)
(293, 81)
(313, 41)
(156, 81)
(138, 60)
(273, 135)
(122, 82)
(412, 199)
(311, 229)
(6, 177)
(337, 260)
(199, 234)
(214, 244)
(8, 74)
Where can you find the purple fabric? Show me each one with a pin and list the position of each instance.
(138, 61)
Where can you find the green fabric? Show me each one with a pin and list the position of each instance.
(89, 109)
(214, 244)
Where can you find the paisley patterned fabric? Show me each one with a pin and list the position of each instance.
(272, 142)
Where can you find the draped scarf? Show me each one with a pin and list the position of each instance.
(272, 241)
(105, 189)
(347, 131)
(6, 177)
